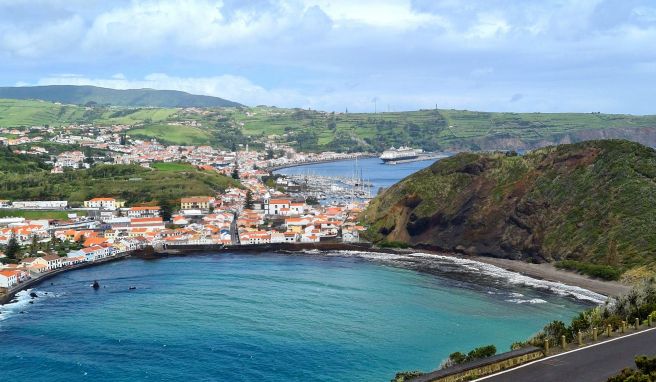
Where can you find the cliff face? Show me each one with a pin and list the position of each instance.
(593, 201)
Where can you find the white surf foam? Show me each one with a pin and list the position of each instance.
(20, 302)
(473, 266)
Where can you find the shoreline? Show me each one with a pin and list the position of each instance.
(9, 296)
(543, 271)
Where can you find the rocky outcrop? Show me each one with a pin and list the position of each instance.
(593, 201)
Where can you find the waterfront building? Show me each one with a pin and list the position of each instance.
(8, 278)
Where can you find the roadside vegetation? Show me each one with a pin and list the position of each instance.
(645, 372)
(639, 302)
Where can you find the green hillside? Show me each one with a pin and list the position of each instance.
(131, 183)
(82, 95)
(592, 204)
(308, 130)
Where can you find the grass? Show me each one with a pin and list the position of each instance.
(172, 166)
(37, 214)
(173, 134)
(604, 272)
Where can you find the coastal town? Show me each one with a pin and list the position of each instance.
(262, 210)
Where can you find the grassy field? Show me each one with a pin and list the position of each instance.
(179, 135)
(14, 113)
(38, 214)
(172, 166)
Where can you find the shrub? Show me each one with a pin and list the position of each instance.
(646, 371)
(605, 272)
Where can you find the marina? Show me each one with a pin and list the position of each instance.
(349, 180)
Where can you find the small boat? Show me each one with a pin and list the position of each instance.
(132, 288)
(95, 285)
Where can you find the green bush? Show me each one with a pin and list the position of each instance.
(646, 371)
(605, 272)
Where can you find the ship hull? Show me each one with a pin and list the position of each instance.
(402, 157)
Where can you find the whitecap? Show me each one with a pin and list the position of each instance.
(527, 301)
(473, 266)
(18, 304)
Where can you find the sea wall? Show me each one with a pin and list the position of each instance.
(9, 295)
(482, 367)
(272, 247)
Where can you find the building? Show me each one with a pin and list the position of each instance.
(40, 204)
(104, 203)
(72, 159)
(276, 206)
(148, 223)
(143, 212)
(197, 203)
(8, 278)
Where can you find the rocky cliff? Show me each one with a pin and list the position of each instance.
(593, 202)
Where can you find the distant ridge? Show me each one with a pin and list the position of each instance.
(81, 95)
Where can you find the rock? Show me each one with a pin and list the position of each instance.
(33, 295)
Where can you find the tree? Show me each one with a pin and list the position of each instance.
(12, 247)
(249, 200)
(34, 245)
(165, 209)
(235, 173)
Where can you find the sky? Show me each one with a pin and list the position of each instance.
(360, 55)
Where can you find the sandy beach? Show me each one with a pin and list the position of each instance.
(546, 271)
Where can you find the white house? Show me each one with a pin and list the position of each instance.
(276, 206)
(8, 278)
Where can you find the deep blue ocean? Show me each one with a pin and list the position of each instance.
(265, 317)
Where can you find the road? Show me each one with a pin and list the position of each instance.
(594, 363)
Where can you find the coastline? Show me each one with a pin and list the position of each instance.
(543, 271)
(9, 296)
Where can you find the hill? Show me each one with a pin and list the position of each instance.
(29, 179)
(589, 206)
(309, 130)
(83, 95)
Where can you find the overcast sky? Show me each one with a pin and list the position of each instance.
(491, 55)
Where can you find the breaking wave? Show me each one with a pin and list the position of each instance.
(440, 264)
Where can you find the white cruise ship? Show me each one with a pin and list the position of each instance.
(402, 153)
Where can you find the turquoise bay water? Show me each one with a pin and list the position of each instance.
(264, 317)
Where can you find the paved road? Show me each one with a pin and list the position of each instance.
(593, 364)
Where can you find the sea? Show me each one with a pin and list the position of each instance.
(307, 316)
